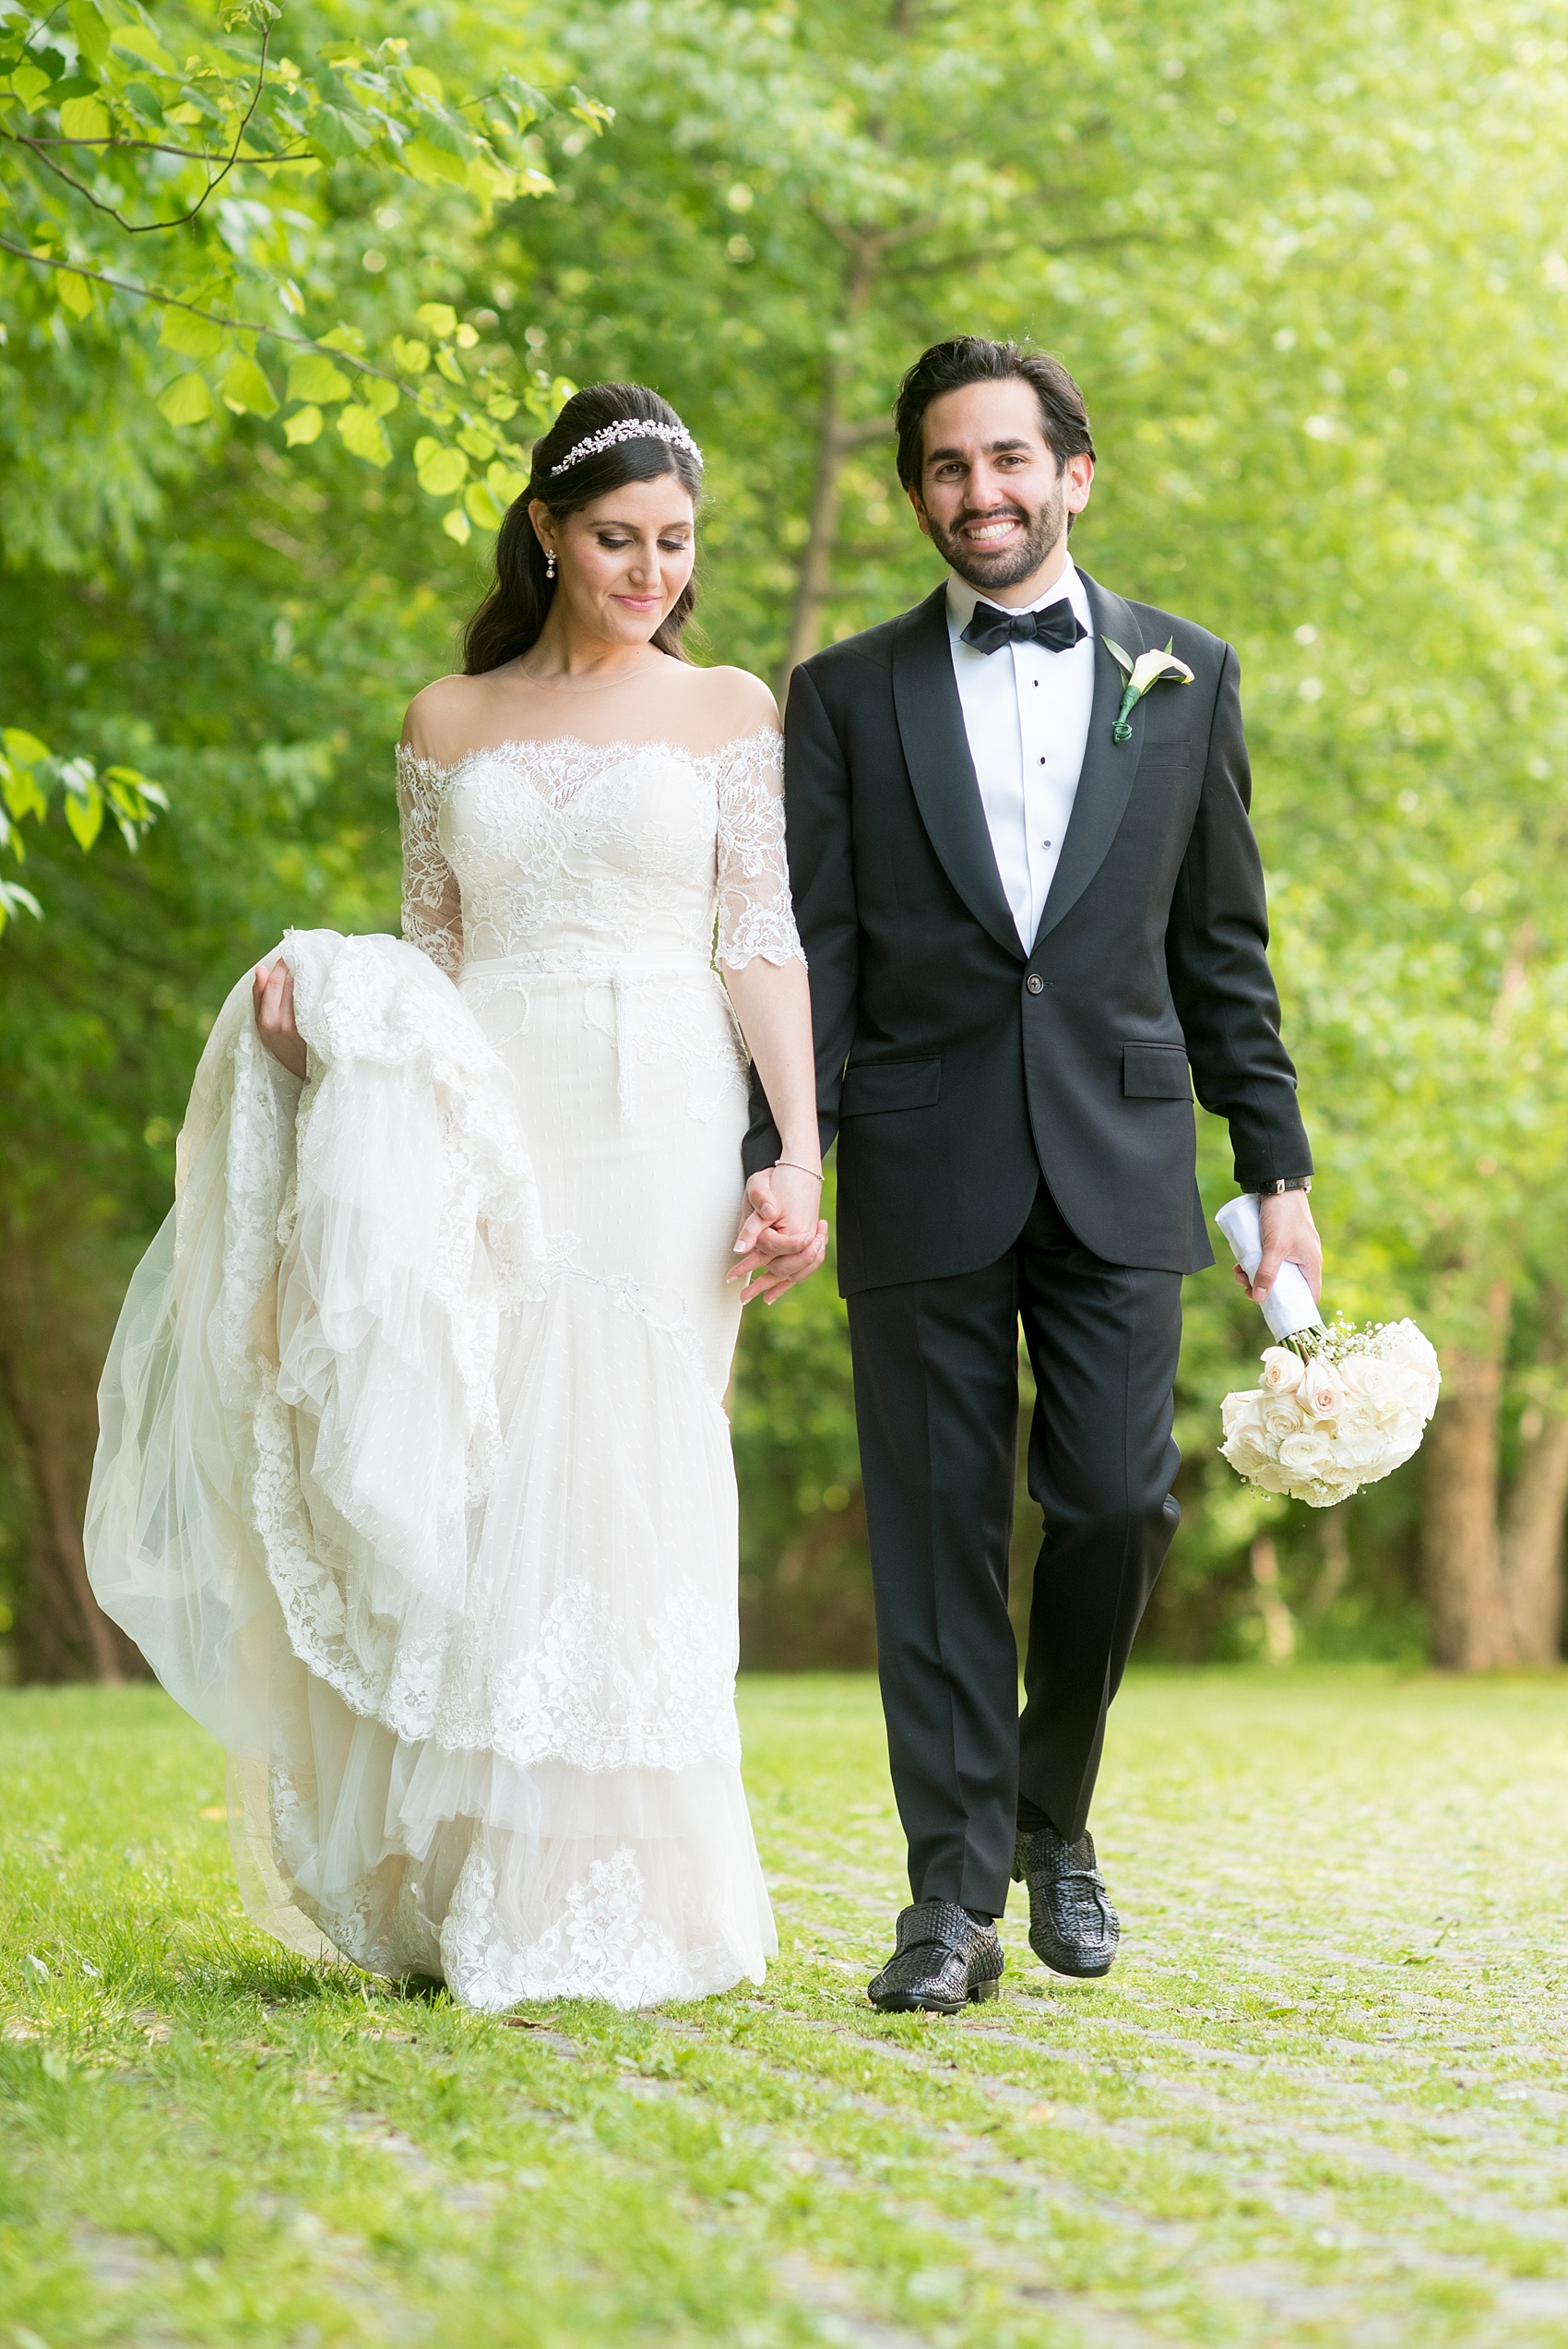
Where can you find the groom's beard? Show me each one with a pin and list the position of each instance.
(1008, 566)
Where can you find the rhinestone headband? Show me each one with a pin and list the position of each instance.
(629, 428)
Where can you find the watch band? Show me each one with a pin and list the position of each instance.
(1286, 1183)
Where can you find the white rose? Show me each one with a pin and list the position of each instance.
(1413, 1362)
(1323, 1390)
(1281, 1373)
(1247, 1450)
(1363, 1448)
(1271, 1478)
(1371, 1380)
(1310, 1453)
(1282, 1415)
(1241, 1410)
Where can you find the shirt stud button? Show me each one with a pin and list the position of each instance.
(1035, 983)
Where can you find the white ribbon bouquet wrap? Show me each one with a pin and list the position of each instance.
(1336, 1407)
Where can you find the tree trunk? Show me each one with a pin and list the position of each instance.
(1278, 1624)
(49, 1469)
(1335, 1572)
(835, 440)
(1461, 1554)
(1532, 1517)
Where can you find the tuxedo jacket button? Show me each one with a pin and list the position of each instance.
(1035, 983)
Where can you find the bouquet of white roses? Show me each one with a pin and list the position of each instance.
(1336, 1407)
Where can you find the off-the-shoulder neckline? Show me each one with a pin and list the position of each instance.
(618, 745)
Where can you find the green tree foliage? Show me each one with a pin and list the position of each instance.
(1310, 268)
(175, 189)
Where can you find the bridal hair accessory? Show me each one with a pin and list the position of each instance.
(1336, 1407)
(1148, 669)
(629, 428)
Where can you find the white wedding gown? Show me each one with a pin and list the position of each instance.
(415, 1482)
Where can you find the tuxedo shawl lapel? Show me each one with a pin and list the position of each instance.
(1105, 783)
(936, 751)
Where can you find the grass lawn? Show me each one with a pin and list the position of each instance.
(1321, 2099)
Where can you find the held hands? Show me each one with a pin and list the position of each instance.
(1290, 1236)
(272, 991)
(782, 1239)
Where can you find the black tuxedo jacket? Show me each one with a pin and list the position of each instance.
(954, 1068)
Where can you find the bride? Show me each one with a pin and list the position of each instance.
(415, 1481)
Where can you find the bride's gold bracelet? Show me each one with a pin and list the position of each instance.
(794, 1163)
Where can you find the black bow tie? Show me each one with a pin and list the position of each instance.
(1058, 627)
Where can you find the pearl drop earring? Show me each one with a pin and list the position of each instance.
(549, 564)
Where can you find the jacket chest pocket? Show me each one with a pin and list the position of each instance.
(1156, 1072)
(873, 1086)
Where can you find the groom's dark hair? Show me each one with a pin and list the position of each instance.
(970, 358)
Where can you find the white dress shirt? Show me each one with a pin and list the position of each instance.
(1026, 714)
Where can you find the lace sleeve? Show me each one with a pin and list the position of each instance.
(756, 914)
(433, 906)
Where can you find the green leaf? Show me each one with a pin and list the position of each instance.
(339, 134)
(29, 85)
(440, 317)
(481, 507)
(140, 41)
(490, 181)
(478, 442)
(443, 472)
(313, 377)
(362, 434)
(246, 388)
(448, 365)
(92, 33)
(456, 525)
(424, 83)
(84, 118)
(23, 797)
(74, 294)
(431, 164)
(506, 487)
(344, 337)
(1123, 659)
(84, 802)
(185, 401)
(414, 357)
(25, 749)
(379, 395)
(194, 338)
(15, 899)
(302, 427)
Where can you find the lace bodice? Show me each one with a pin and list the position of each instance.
(583, 853)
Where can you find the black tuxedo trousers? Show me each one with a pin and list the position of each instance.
(936, 1400)
(1016, 1140)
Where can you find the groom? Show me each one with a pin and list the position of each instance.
(1034, 922)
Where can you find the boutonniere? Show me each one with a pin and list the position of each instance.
(1148, 669)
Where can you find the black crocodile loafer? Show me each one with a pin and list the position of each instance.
(943, 1961)
(1073, 1926)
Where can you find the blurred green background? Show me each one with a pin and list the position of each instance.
(1311, 267)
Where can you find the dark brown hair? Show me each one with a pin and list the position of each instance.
(970, 358)
(518, 605)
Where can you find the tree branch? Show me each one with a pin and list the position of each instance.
(146, 228)
(155, 146)
(213, 317)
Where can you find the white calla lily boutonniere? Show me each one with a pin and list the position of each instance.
(1148, 669)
